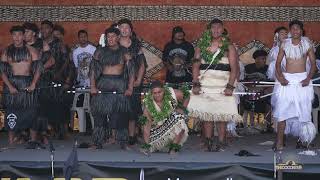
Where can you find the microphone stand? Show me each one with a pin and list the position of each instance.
(51, 149)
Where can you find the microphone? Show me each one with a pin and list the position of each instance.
(51, 147)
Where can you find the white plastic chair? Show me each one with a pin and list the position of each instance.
(81, 111)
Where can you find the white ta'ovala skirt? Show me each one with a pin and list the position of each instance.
(212, 105)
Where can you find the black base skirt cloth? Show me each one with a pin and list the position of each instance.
(107, 102)
(55, 104)
(20, 109)
(112, 108)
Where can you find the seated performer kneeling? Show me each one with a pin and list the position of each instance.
(164, 126)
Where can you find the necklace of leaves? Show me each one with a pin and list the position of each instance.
(166, 109)
(205, 42)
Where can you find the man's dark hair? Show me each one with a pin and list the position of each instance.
(296, 22)
(58, 28)
(176, 30)
(125, 21)
(16, 29)
(259, 53)
(156, 84)
(112, 30)
(278, 29)
(215, 21)
(31, 26)
(47, 22)
(82, 31)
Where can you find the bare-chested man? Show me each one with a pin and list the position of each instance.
(40, 125)
(217, 79)
(129, 40)
(294, 94)
(20, 71)
(107, 74)
(55, 103)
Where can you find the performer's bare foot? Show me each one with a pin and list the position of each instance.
(301, 145)
(219, 147)
(11, 145)
(125, 147)
(19, 140)
(51, 132)
(145, 151)
(45, 140)
(95, 147)
(34, 145)
(277, 147)
(209, 144)
(203, 147)
(14, 140)
(173, 152)
(112, 140)
(8, 147)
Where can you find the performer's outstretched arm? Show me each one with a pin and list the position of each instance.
(65, 57)
(47, 55)
(141, 70)
(181, 98)
(71, 75)
(235, 69)
(165, 58)
(130, 86)
(36, 67)
(147, 126)
(5, 69)
(312, 58)
(48, 64)
(131, 77)
(93, 87)
(94, 72)
(196, 71)
(279, 74)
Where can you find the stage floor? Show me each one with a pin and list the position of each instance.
(190, 158)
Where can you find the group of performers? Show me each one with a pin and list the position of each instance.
(116, 75)
(26, 65)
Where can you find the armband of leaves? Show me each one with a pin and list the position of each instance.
(143, 120)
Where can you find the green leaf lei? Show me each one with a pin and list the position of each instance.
(174, 146)
(205, 42)
(143, 120)
(146, 146)
(166, 106)
(185, 90)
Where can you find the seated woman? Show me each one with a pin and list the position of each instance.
(164, 123)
